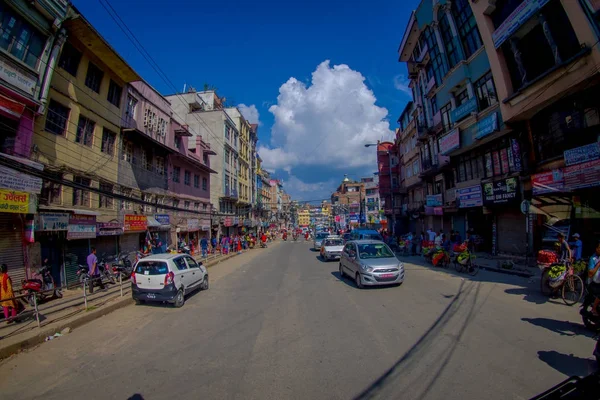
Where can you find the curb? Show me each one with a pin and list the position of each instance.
(44, 332)
(521, 274)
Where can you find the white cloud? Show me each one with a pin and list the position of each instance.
(401, 83)
(250, 113)
(300, 190)
(326, 122)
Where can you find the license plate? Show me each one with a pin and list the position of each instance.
(151, 295)
(388, 275)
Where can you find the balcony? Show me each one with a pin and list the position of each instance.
(423, 57)
(429, 167)
(422, 133)
(231, 194)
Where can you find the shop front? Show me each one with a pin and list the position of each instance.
(434, 213)
(159, 226)
(80, 231)
(107, 238)
(134, 234)
(469, 216)
(188, 232)
(51, 234)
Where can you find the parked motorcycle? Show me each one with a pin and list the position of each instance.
(184, 248)
(122, 266)
(42, 288)
(83, 274)
(105, 270)
(590, 321)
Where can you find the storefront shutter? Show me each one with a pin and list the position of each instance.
(106, 246)
(129, 243)
(76, 252)
(11, 247)
(511, 232)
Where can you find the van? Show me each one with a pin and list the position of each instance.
(365, 234)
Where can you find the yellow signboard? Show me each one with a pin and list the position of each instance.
(14, 202)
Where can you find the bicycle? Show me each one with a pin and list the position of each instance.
(465, 263)
(566, 280)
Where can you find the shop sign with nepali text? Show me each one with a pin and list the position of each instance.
(135, 223)
(14, 202)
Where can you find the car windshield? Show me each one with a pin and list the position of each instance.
(151, 268)
(322, 235)
(334, 242)
(374, 250)
(372, 236)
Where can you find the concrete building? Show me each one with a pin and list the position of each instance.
(346, 201)
(390, 191)
(371, 202)
(205, 116)
(304, 217)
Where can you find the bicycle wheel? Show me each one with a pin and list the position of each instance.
(572, 290)
(544, 286)
(458, 266)
(473, 268)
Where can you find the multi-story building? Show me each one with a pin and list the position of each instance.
(304, 216)
(204, 114)
(544, 60)
(254, 179)
(265, 211)
(458, 123)
(78, 141)
(390, 190)
(371, 203)
(347, 200)
(32, 35)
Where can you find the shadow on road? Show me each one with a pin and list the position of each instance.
(344, 279)
(564, 328)
(567, 364)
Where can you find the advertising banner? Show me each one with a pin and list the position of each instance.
(464, 109)
(516, 19)
(49, 222)
(582, 154)
(81, 227)
(14, 202)
(504, 191)
(469, 197)
(135, 223)
(450, 141)
(11, 179)
(487, 125)
(163, 219)
(193, 225)
(434, 200)
(109, 229)
(583, 175)
(548, 182)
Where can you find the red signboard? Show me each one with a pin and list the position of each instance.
(582, 175)
(548, 182)
(135, 223)
(227, 221)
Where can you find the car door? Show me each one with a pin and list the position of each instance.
(353, 258)
(194, 269)
(346, 257)
(182, 273)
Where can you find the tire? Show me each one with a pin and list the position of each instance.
(342, 273)
(139, 302)
(30, 300)
(472, 269)
(111, 278)
(572, 290)
(204, 285)
(58, 293)
(458, 266)
(357, 281)
(179, 299)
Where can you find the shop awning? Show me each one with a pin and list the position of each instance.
(72, 210)
(155, 225)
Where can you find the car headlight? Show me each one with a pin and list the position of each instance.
(366, 268)
(401, 266)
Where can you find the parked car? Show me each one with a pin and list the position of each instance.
(332, 248)
(370, 263)
(167, 278)
(318, 241)
(365, 234)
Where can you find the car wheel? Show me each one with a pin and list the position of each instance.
(358, 281)
(342, 274)
(138, 302)
(204, 285)
(179, 299)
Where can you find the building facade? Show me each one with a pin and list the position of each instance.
(347, 202)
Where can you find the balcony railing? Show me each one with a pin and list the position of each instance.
(423, 55)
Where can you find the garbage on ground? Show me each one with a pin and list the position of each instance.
(57, 334)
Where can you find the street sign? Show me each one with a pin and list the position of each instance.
(525, 206)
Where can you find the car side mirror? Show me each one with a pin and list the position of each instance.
(200, 263)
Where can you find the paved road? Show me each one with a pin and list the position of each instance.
(278, 323)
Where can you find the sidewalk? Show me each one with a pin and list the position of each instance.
(69, 312)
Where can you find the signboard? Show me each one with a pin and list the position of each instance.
(135, 223)
(193, 224)
(487, 125)
(434, 211)
(449, 141)
(548, 182)
(583, 175)
(163, 219)
(464, 109)
(469, 197)
(11, 179)
(109, 229)
(504, 191)
(49, 222)
(516, 19)
(227, 222)
(14, 202)
(516, 153)
(582, 154)
(81, 227)
(17, 78)
(434, 200)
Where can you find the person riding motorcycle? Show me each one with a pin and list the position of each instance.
(284, 235)
(594, 278)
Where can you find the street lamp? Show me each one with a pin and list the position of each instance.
(391, 189)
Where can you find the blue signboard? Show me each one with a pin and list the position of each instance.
(464, 109)
(162, 219)
(516, 19)
(487, 125)
(578, 155)
(469, 197)
(433, 200)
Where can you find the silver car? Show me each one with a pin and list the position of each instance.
(319, 240)
(371, 263)
(332, 248)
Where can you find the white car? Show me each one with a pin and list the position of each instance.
(167, 278)
(332, 248)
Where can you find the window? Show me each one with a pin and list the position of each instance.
(146, 160)
(19, 38)
(434, 107)
(205, 159)
(447, 38)
(176, 203)
(486, 91)
(462, 97)
(105, 200)
(204, 207)
(438, 65)
(176, 174)
(127, 151)
(467, 28)
(408, 171)
(114, 94)
(227, 132)
(131, 104)
(415, 168)
(196, 206)
(81, 197)
(85, 131)
(180, 263)
(187, 177)
(160, 165)
(93, 78)
(196, 181)
(56, 118)
(108, 141)
(445, 112)
(69, 59)
(186, 205)
(51, 191)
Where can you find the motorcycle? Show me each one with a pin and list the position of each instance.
(285, 238)
(122, 267)
(263, 245)
(105, 271)
(590, 321)
(183, 248)
(42, 288)
(83, 274)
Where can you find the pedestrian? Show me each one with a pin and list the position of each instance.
(92, 262)
(431, 235)
(415, 243)
(577, 247)
(457, 238)
(565, 250)
(239, 244)
(9, 305)
(438, 240)
(593, 278)
(204, 246)
(213, 242)
(224, 245)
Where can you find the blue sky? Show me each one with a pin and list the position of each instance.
(312, 127)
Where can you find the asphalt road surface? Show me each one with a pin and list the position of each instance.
(278, 323)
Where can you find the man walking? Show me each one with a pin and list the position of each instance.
(92, 262)
(204, 246)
